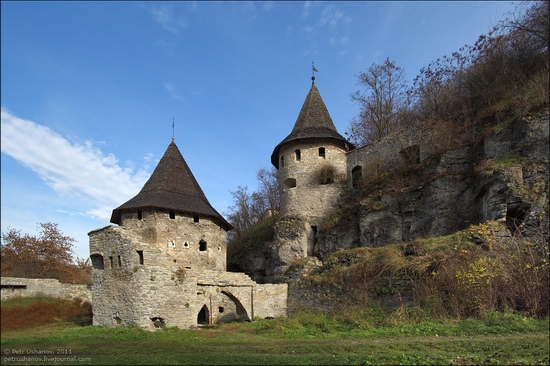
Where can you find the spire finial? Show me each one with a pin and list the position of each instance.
(313, 71)
(173, 129)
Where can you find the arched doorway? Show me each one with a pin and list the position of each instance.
(241, 311)
(203, 316)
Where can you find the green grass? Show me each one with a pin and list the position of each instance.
(304, 339)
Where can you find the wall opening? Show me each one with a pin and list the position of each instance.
(221, 309)
(202, 317)
(282, 161)
(202, 245)
(298, 155)
(289, 182)
(97, 261)
(172, 215)
(241, 311)
(158, 322)
(326, 174)
(111, 261)
(195, 218)
(140, 215)
(356, 175)
(119, 261)
(140, 256)
(322, 152)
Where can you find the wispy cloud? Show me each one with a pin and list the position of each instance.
(71, 169)
(172, 88)
(325, 22)
(168, 18)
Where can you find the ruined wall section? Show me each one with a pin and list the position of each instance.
(13, 287)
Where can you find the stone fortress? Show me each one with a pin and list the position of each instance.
(164, 263)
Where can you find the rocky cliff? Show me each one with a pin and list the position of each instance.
(501, 175)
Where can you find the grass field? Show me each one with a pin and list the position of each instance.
(305, 339)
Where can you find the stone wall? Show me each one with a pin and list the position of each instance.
(192, 240)
(12, 287)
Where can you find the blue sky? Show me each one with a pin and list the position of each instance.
(90, 90)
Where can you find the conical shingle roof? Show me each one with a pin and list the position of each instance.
(172, 186)
(313, 123)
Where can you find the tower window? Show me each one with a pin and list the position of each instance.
(195, 218)
(282, 161)
(202, 246)
(97, 261)
(140, 215)
(140, 256)
(298, 155)
(322, 152)
(172, 215)
(119, 261)
(290, 182)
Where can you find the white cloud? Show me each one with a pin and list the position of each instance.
(71, 169)
(166, 16)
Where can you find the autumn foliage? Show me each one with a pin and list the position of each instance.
(44, 311)
(50, 255)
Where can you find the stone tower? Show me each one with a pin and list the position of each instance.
(312, 172)
(164, 264)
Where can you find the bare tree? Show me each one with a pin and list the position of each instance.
(249, 208)
(384, 104)
(269, 187)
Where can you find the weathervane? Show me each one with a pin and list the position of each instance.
(313, 71)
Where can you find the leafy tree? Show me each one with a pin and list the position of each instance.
(50, 255)
(384, 104)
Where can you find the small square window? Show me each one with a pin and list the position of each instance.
(322, 152)
(202, 246)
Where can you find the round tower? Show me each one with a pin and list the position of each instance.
(312, 164)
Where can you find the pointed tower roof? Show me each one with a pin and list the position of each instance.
(313, 123)
(172, 186)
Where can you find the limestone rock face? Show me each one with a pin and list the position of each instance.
(502, 176)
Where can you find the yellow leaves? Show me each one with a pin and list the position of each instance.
(477, 273)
